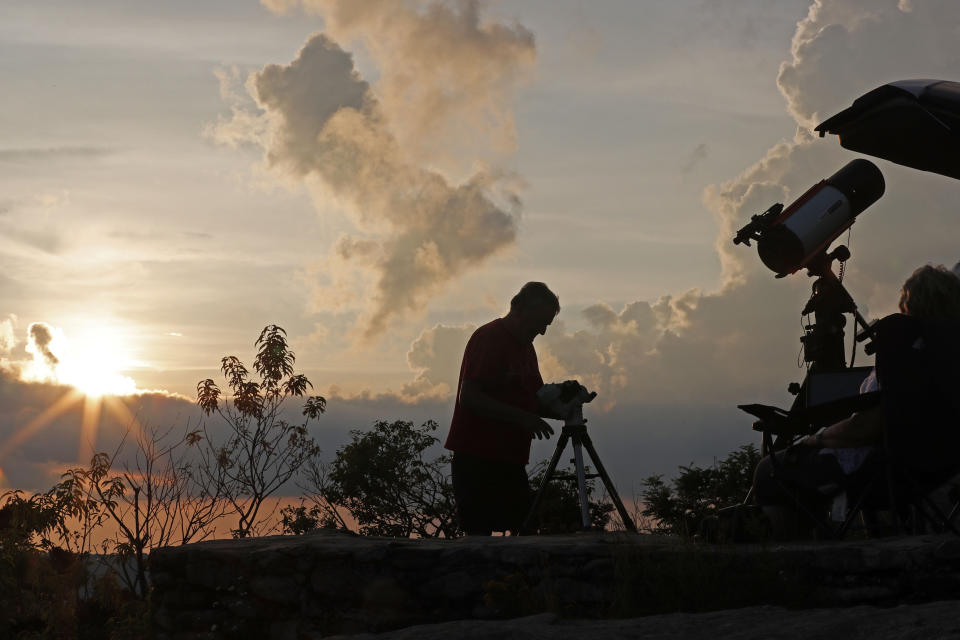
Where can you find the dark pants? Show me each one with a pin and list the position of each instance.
(800, 474)
(802, 480)
(491, 495)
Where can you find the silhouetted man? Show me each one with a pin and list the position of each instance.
(497, 414)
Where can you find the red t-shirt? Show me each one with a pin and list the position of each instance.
(509, 370)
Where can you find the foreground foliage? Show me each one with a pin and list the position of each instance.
(559, 509)
(47, 591)
(262, 450)
(386, 483)
(697, 493)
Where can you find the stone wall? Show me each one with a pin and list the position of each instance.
(328, 583)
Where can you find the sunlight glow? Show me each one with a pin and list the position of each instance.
(51, 413)
(91, 362)
(92, 414)
(90, 426)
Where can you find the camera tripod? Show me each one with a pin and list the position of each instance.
(578, 434)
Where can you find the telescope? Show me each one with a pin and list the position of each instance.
(799, 236)
(791, 238)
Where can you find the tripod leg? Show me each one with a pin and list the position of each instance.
(627, 520)
(581, 484)
(561, 445)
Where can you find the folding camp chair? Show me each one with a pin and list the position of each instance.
(917, 369)
(917, 360)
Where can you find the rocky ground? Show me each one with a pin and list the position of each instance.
(939, 620)
(326, 584)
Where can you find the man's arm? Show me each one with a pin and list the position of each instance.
(862, 428)
(474, 398)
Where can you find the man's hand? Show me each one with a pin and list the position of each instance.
(537, 426)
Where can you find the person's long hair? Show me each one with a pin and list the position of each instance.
(931, 292)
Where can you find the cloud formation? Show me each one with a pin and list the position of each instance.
(47, 427)
(7, 338)
(434, 357)
(52, 153)
(39, 337)
(698, 155)
(319, 121)
(740, 342)
(447, 77)
(26, 223)
(843, 49)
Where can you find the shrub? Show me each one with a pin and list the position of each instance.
(698, 492)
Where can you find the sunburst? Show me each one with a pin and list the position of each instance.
(93, 409)
(89, 370)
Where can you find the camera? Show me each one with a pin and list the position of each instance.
(566, 400)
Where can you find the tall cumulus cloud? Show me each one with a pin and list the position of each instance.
(741, 342)
(374, 149)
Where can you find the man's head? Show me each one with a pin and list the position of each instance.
(931, 292)
(533, 309)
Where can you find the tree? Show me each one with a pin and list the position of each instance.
(158, 500)
(384, 480)
(34, 596)
(698, 493)
(387, 484)
(299, 520)
(262, 451)
(48, 591)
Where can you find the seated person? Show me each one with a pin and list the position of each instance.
(809, 473)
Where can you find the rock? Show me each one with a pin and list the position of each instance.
(322, 584)
(913, 622)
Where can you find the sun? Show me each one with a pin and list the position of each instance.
(93, 362)
(91, 365)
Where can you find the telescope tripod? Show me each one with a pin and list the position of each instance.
(578, 434)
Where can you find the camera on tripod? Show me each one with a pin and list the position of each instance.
(565, 400)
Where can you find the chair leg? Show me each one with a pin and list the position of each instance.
(936, 517)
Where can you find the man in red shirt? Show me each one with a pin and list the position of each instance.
(497, 414)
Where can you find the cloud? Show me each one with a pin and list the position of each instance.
(694, 348)
(741, 341)
(7, 338)
(39, 338)
(446, 76)
(698, 155)
(46, 427)
(843, 49)
(52, 153)
(434, 357)
(27, 221)
(42, 430)
(366, 148)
